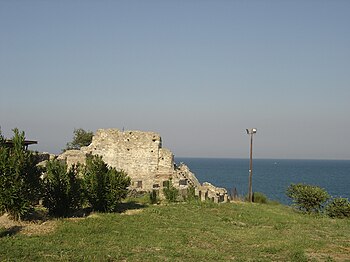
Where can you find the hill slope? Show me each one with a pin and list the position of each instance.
(187, 232)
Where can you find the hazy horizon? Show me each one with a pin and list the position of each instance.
(196, 72)
(36, 147)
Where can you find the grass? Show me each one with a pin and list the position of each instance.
(187, 232)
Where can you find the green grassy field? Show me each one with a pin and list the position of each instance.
(186, 232)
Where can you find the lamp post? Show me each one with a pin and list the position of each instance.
(251, 132)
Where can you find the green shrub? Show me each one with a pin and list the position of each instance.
(170, 192)
(338, 208)
(81, 138)
(259, 198)
(95, 182)
(307, 198)
(153, 197)
(20, 184)
(191, 194)
(63, 192)
(105, 186)
(116, 187)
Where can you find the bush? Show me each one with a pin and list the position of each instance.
(63, 189)
(117, 187)
(307, 198)
(259, 198)
(170, 192)
(19, 177)
(105, 186)
(191, 194)
(153, 197)
(338, 208)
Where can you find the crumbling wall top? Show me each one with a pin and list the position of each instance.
(114, 135)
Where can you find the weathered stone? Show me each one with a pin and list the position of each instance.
(214, 193)
(42, 158)
(141, 156)
(185, 178)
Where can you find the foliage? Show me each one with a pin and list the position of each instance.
(2, 152)
(259, 198)
(19, 177)
(117, 187)
(338, 208)
(81, 138)
(153, 197)
(143, 198)
(105, 186)
(95, 182)
(191, 194)
(63, 192)
(170, 192)
(307, 197)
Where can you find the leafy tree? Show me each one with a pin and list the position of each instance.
(307, 197)
(81, 138)
(20, 182)
(105, 186)
(63, 192)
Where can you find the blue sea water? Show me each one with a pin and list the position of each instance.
(272, 177)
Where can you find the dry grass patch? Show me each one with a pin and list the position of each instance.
(29, 228)
(132, 212)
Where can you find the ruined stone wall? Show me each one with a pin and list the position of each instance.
(135, 152)
(141, 156)
(72, 157)
(166, 161)
(184, 173)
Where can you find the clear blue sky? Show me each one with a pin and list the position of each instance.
(197, 72)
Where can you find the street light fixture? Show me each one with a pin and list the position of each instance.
(251, 132)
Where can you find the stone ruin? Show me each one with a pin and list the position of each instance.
(142, 157)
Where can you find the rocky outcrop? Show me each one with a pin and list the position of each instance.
(141, 156)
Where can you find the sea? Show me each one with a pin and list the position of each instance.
(272, 176)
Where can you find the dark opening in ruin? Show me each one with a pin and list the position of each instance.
(183, 182)
(154, 140)
(139, 184)
(155, 185)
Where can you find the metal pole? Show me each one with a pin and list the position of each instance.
(250, 194)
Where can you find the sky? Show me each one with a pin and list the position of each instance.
(196, 72)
